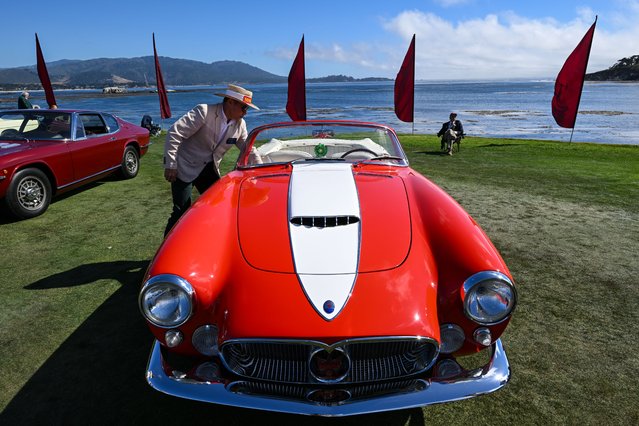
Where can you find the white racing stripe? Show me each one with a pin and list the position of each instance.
(325, 258)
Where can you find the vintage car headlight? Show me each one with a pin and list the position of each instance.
(205, 340)
(167, 300)
(489, 297)
(452, 337)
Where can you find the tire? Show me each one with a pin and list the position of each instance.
(130, 163)
(29, 193)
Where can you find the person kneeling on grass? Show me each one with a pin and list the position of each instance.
(451, 132)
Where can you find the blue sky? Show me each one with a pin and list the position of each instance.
(456, 39)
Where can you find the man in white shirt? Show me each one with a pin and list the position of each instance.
(196, 143)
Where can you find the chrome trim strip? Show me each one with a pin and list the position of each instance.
(89, 177)
(339, 344)
(334, 345)
(490, 378)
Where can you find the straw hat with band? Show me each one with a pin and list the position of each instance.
(239, 94)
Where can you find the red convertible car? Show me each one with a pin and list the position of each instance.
(47, 152)
(324, 276)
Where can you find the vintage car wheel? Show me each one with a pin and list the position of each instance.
(130, 163)
(29, 193)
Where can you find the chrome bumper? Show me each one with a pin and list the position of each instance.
(491, 377)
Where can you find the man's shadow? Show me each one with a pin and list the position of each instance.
(96, 376)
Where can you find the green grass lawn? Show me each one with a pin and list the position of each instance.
(565, 217)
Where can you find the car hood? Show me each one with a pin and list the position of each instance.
(11, 146)
(8, 147)
(260, 269)
(326, 224)
(323, 219)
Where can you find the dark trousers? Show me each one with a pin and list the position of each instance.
(181, 193)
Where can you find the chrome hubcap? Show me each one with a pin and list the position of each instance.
(131, 162)
(31, 193)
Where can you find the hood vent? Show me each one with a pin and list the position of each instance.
(323, 221)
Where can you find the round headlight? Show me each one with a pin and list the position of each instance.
(167, 300)
(452, 337)
(489, 297)
(205, 340)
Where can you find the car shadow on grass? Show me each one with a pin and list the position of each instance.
(6, 217)
(112, 177)
(96, 376)
(124, 271)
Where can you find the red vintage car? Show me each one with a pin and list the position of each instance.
(47, 152)
(324, 276)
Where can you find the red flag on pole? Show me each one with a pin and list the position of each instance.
(296, 103)
(44, 76)
(165, 109)
(405, 86)
(570, 82)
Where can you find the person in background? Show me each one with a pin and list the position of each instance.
(23, 101)
(451, 131)
(196, 143)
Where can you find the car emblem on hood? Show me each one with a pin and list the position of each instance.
(329, 306)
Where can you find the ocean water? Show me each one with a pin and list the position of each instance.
(609, 112)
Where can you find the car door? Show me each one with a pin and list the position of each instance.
(94, 149)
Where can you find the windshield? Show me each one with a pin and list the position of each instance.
(35, 125)
(309, 141)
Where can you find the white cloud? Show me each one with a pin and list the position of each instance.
(505, 45)
(361, 55)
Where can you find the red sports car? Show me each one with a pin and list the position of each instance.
(324, 276)
(47, 152)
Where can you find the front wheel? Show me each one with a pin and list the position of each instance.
(130, 163)
(29, 193)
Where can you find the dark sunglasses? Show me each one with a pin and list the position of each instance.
(243, 106)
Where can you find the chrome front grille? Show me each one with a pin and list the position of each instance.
(371, 360)
(385, 360)
(268, 361)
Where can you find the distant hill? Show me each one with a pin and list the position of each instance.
(344, 78)
(626, 69)
(136, 72)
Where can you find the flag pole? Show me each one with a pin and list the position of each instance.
(571, 132)
(413, 121)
